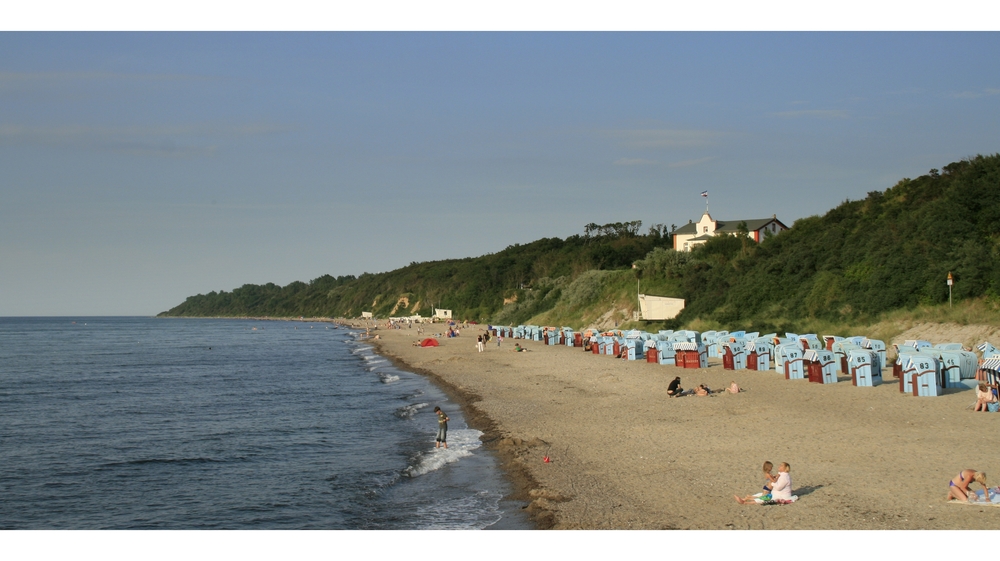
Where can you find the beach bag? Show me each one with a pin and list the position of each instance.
(993, 407)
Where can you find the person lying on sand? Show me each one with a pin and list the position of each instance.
(734, 388)
(704, 390)
(519, 349)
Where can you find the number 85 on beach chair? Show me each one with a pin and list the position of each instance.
(865, 367)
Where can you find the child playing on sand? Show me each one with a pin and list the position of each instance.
(769, 480)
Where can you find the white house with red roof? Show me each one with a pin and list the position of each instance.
(697, 233)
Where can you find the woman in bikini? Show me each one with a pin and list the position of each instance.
(958, 488)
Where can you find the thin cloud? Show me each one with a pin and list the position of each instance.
(664, 138)
(634, 162)
(817, 113)
(976, 95)
(163, 140)
(27, 80)
(689, 163)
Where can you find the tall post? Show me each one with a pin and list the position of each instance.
(638, 301)
(950, 282)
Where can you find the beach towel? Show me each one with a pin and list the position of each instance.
(760, 499)
(977, 499)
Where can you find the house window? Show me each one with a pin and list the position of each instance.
(704, 229)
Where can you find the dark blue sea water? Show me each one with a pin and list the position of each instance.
(228, 424)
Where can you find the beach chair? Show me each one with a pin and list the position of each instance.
(821, 365)
(734, 357)
(690, 355)
(709, 339)
(922, 373)
(759, 355)
(810, 341)
(989, 371)
(956, 365)
(842, 348)
(988, 350)
(665, 354)
(788, 360)
(829, 340)
(649, 349)
(865, 371)
(878, 347)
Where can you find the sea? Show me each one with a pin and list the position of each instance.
(154, 423)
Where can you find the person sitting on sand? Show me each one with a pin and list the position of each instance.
(675, 389)
(984, 396)
(519, 349)
(781, 490)
(958, 488)
(769, 479)
(734, 388)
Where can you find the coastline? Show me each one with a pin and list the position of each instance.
(521, 480)
(625, 456)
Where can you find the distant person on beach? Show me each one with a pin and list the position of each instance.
(702, 390)
(734, 388)
(984, 396)
(675, 389)
(442, 436)
(519, 349)
(769, 479)
(479, 343)
(958, 488)
(499, 340)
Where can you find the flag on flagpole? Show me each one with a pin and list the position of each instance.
(704, 194)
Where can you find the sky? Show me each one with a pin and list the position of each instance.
(139, 168)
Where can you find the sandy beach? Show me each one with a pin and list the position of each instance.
(623, 455)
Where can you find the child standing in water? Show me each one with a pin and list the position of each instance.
(769, 480)
(442, 436)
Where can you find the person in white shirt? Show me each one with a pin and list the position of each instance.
(782, 489)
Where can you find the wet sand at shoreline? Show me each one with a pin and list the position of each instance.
(626, 456)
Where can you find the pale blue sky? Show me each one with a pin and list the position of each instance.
(137, 169)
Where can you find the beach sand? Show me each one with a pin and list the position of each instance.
(625, 456)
